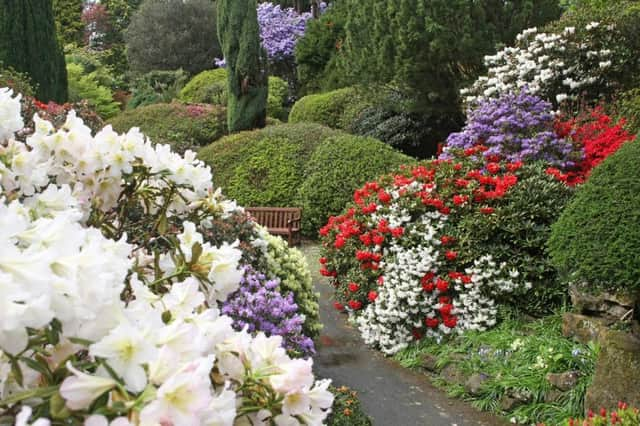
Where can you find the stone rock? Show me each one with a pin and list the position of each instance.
(474, 383)
(429, 362)
(564, 381)
(508, 403)
(616, 375)
(552, 396)
(583, 328)
(453, 375)
(609, 306)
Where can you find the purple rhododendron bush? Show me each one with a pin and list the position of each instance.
(98, 326)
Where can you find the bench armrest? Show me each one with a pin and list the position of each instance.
(290, 222)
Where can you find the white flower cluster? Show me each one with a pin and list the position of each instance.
(165, 357)
(553, 66)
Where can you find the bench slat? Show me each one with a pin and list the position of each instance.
(276, 219)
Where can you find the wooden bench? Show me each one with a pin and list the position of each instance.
(279, 221)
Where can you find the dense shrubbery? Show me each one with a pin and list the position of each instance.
(210, 87)
(628, 107)
(182, 126)
(337, 109)
(336, 167)
(597, 238)
(156, 87)
(347, 410)
(87, 87)
(264, 167)
(19, 82)
(173, 34)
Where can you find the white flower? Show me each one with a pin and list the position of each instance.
(100, 420)
(10, 118)
(81, 389)
(23, 417)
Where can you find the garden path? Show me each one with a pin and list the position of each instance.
(390, 394)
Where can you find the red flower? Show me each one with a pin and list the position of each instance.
(339, 306)
(444, 210)
(461, 183)
(397, 232)
(372, 296)
(323, 260)
(428, 286)
(466, 279)
(355, 304)
(339, 243)
(457, 166)
(459, 200)
(417, 334)
(353, 287)
(445, 310)
(378, 239)
(493, 168)
(442, 285)
(384, 196)
(432, 322)
(447, 240)
(512, 167)
(451, 255)
(487, 210)
(603, 412)
(444, 299)
(380, 280)
(450, 322)
(370, 208)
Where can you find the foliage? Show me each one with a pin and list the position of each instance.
(238, 32)
(514, 359)
(336, 168)
(316, 52)
(93, 62)
(260, 307)
(336, 109)
(28, 44)
(517, 127)
(597, 136)
(157, 87)
(86, 87)
(575, 62)
(171, 34)
(69, 26)
(623, 416)
(210, 87)
(347, 410)
(628, 106)
(183, 126)
(18, 81)
(596, 238)
(516, 233)
(264, 167)
(396, 265)
(152, 293)
(289, 265)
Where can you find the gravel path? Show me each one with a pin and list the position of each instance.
(390, 394)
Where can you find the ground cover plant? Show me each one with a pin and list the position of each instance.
(151, 355)
(512, 362)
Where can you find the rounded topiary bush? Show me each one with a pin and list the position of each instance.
(264, 167)
(210, 87)
(339, 165)
(337, 109)
(597, 238)
(182, 126)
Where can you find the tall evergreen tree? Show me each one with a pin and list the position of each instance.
(69, 25)
(246, 60)
(29, 44)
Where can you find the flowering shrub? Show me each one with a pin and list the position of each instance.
(623, 416)
(280, 29)
(259, 306)
(347, 410)
(395, 266)
(596, 134)
(517, 127)
(555, 66)
(98, 325)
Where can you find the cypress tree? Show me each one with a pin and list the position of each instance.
(69, 25)
(246, 60)
(28, 43)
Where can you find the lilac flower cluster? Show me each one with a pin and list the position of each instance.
(516, 127)
(259, 306)
(281, 28)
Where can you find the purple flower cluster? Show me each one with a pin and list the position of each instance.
(517, 127)
(259, 306)
(280, 29)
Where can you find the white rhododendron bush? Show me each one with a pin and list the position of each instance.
(99, 326)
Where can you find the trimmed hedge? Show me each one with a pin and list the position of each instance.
(339, 166)
(183, 126)
(272, 167)
(597, 238)
(337, 109)
(210, 87)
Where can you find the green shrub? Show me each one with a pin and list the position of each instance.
(264, 167)
(347, 410)
(517, 233)
(157, 87)
(628, 107)
(86, 86)
(210, 87)
(180, 125)
(290, 266)
(337, 167)
(337, 109)
(597, 238)
(19, 82)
